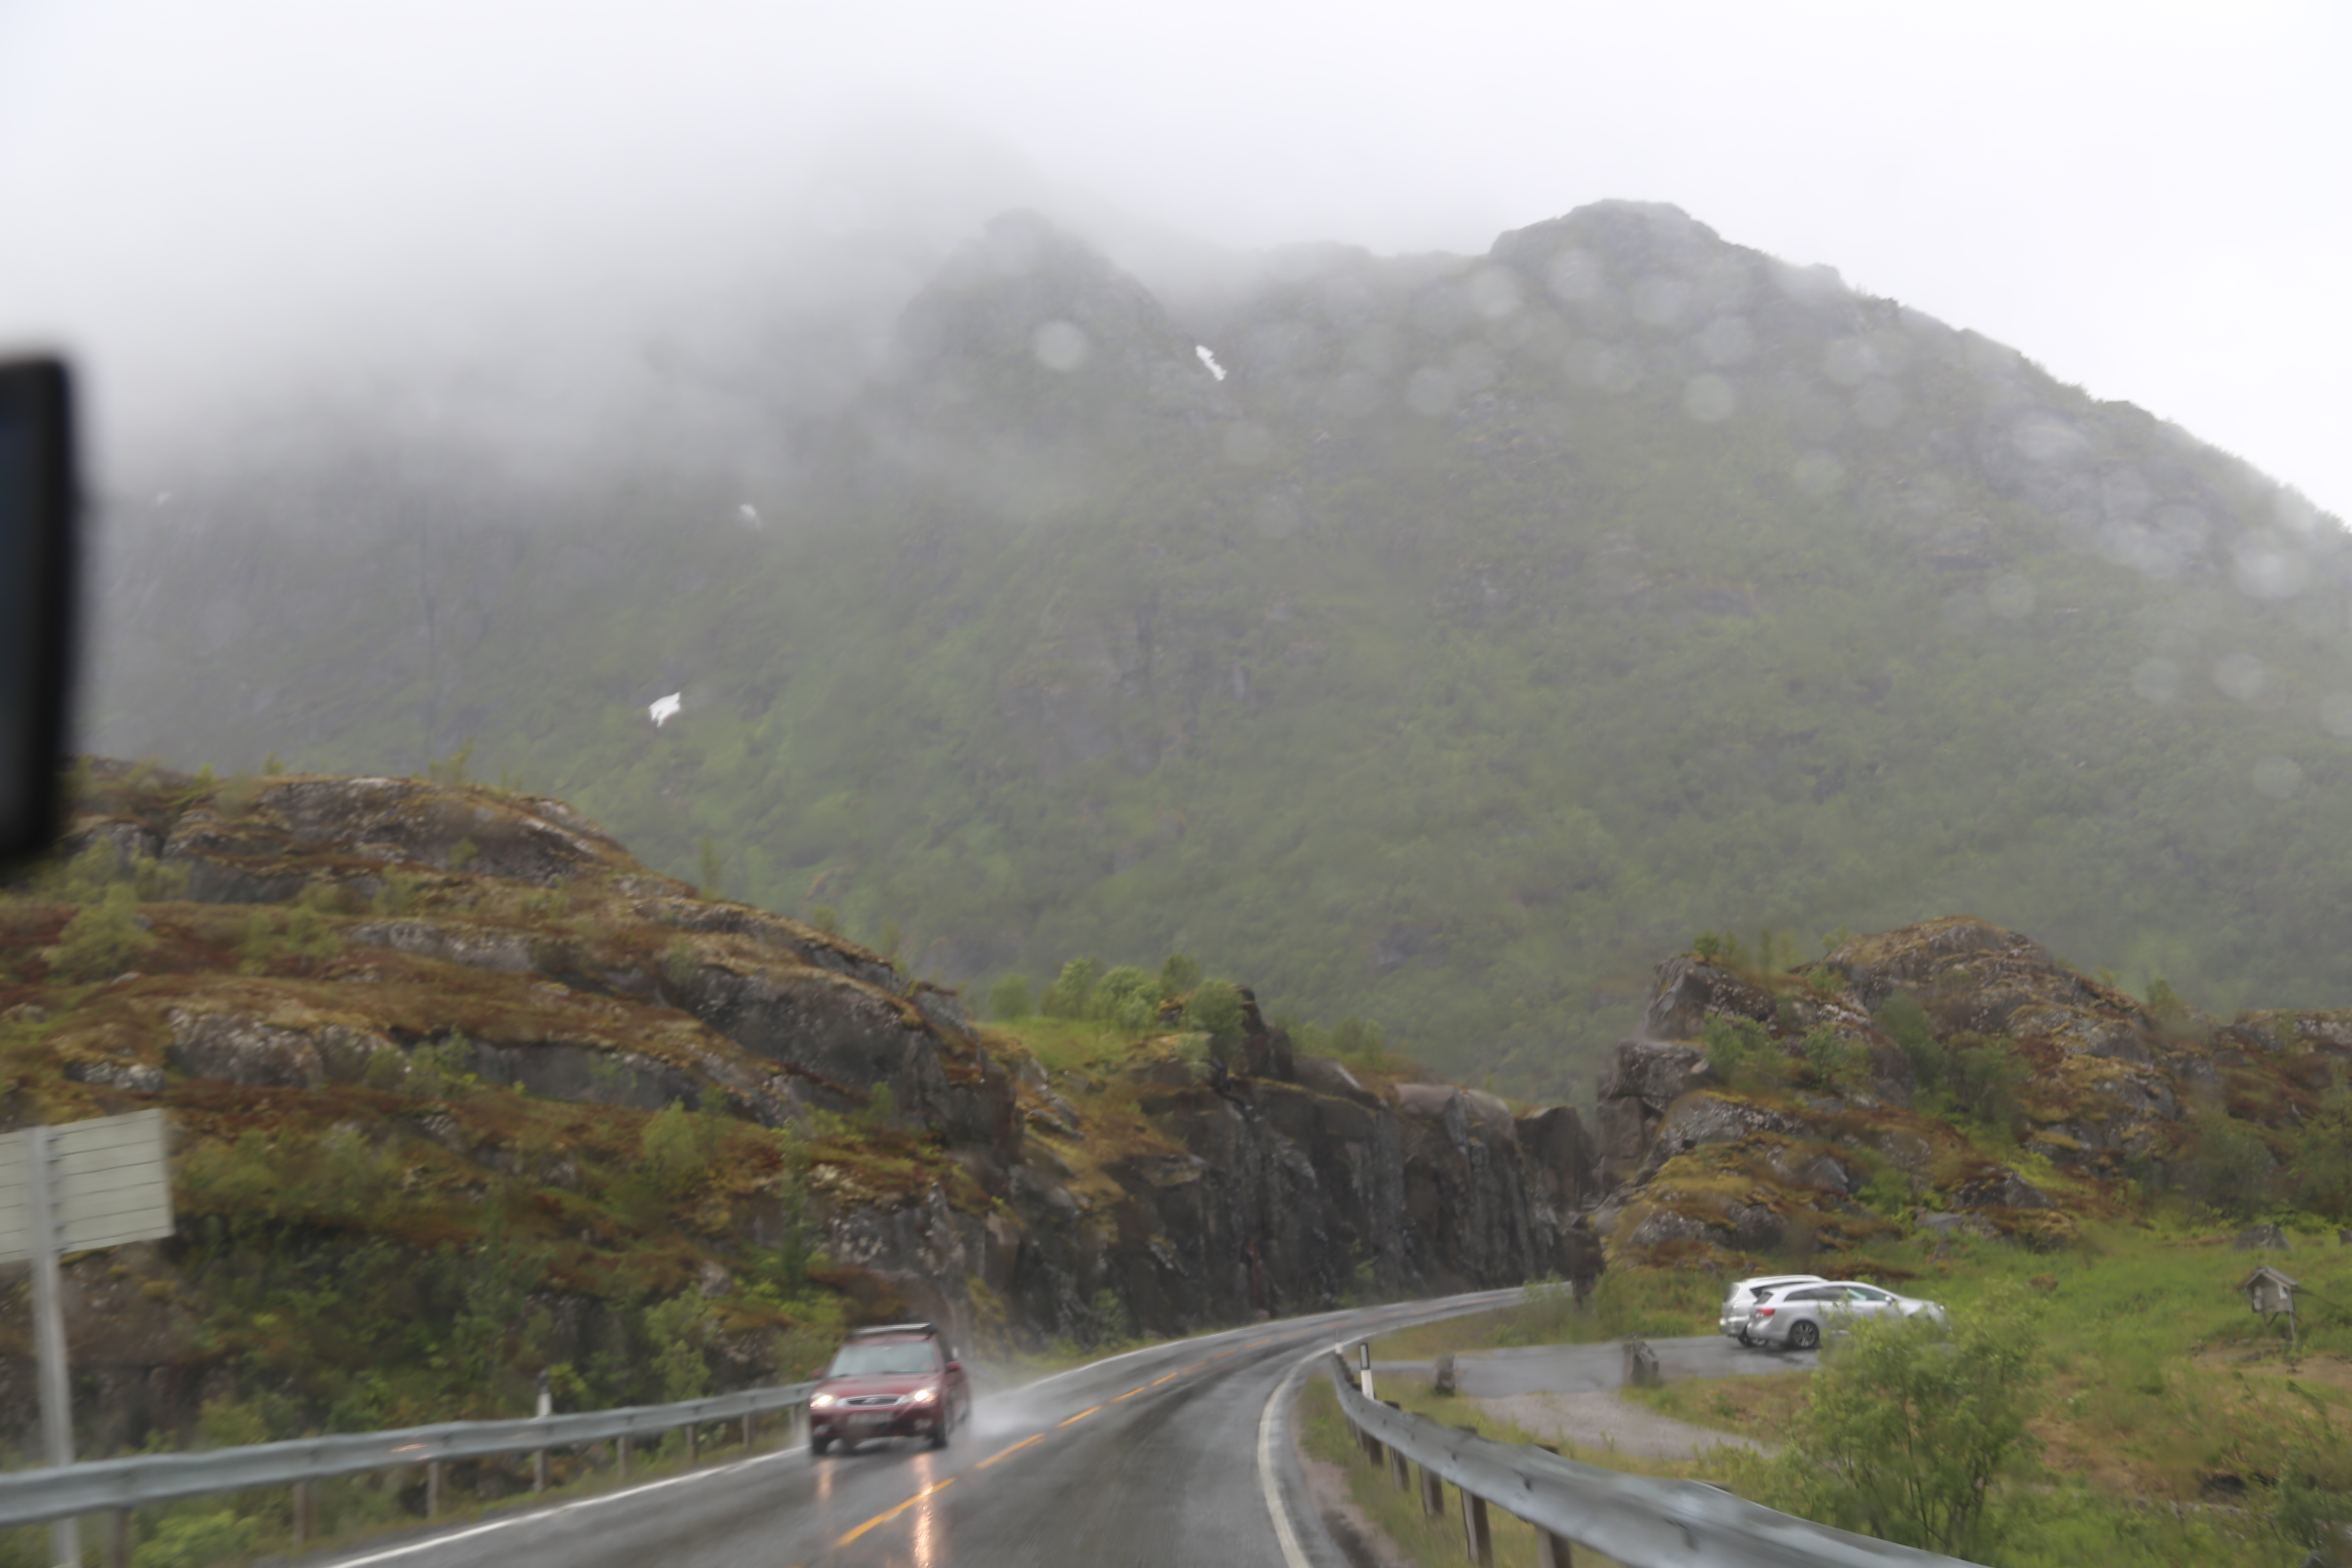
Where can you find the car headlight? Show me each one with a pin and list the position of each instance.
(924, 1395)
(821, 1402)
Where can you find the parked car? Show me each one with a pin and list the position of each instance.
(1745, 1294)
(898, 1381)
(1796, 1317)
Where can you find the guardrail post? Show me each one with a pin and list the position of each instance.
(747, 1432)
(1400, 1471)
(1477, 1535)
(538, 1472)
(432, 1488)
(624, 1457)
(1552, 1550)
(301, 1512)
(1433, 1493)
(117, 1538)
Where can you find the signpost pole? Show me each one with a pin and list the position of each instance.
(49, 1335)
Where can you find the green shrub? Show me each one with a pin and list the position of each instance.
(1010, 997)
(1906, 1023)
(1072, 993)
(1178, 975)
(1215, 1010)
(199, 1541)
(1838, 1062)
(1737, 1049)
(103, 939)
(1128, 997)
(1909, 1425)
(671, 1148)
(1358, 1040)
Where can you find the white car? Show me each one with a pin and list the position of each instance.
(1745, 1294)
(1796, 1317)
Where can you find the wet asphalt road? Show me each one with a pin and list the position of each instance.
(1582, 1369)
(1149, 1458)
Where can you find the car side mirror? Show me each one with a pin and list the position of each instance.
(955, 1367)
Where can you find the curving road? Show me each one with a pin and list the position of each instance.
(1149, 1458)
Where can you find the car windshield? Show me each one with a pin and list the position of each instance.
(888, 1357)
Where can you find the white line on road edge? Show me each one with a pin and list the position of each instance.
(390, 1552)
(1283, 1533)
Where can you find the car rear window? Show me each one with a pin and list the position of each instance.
(868, 1358)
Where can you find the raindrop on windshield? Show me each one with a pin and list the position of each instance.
(2241, 676)
(2278, 777)
(1710, 399)
(1819, 473)
(2336, 714)
(2010, 596)
(2157, 680)
(1059, 345)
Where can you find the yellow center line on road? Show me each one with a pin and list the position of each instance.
(1255, 1343)
(1158, 1381)
(1132, 1392)
(1194, 1367)
(1008, 1453)
(1081, 1416)
(893, 1513)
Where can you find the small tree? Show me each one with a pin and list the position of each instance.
(1215, 1010)
(1072, 991)
(1178, 975)
(1127, 997)
(1909, 1425)
(1737, 1049)
(103, 939)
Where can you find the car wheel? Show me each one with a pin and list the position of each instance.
(1744, 1342)
(939, 1432)
(1804, 1336)
(820, 1447)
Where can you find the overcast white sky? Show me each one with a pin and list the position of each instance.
(2152, 200)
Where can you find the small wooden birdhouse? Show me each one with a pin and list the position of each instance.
(2271, 1294)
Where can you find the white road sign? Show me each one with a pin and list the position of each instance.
(108, 1184)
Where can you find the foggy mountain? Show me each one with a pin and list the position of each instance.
(1434, 638)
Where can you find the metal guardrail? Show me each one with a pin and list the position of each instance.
(100, 1486)
(1643, 1522)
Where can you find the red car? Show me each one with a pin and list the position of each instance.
(900, 1381)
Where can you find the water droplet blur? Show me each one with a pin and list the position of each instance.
(2010, 596)
(1849, 361)
(1576, 276)
(1429, 390)
(2157, 680)
(1726, 340)
(2278, 777)
(1060, 345)
(1494, 293)
(1604, 366)
(2241, 676)
(1709, 399)
(2262, 572)
(749, 515)
(1210, 359)
(1965, 611)
(1660, 300)
(2336, 714)
(2046, 438)
(1278, 517)
(1878, 404)
(1819, 473)
(1248, 444)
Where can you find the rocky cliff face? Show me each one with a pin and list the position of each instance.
(478, 1001)
(1836, 1132)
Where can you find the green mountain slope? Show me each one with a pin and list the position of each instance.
(1489, 626)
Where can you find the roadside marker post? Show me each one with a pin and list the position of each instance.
(76, 1188)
